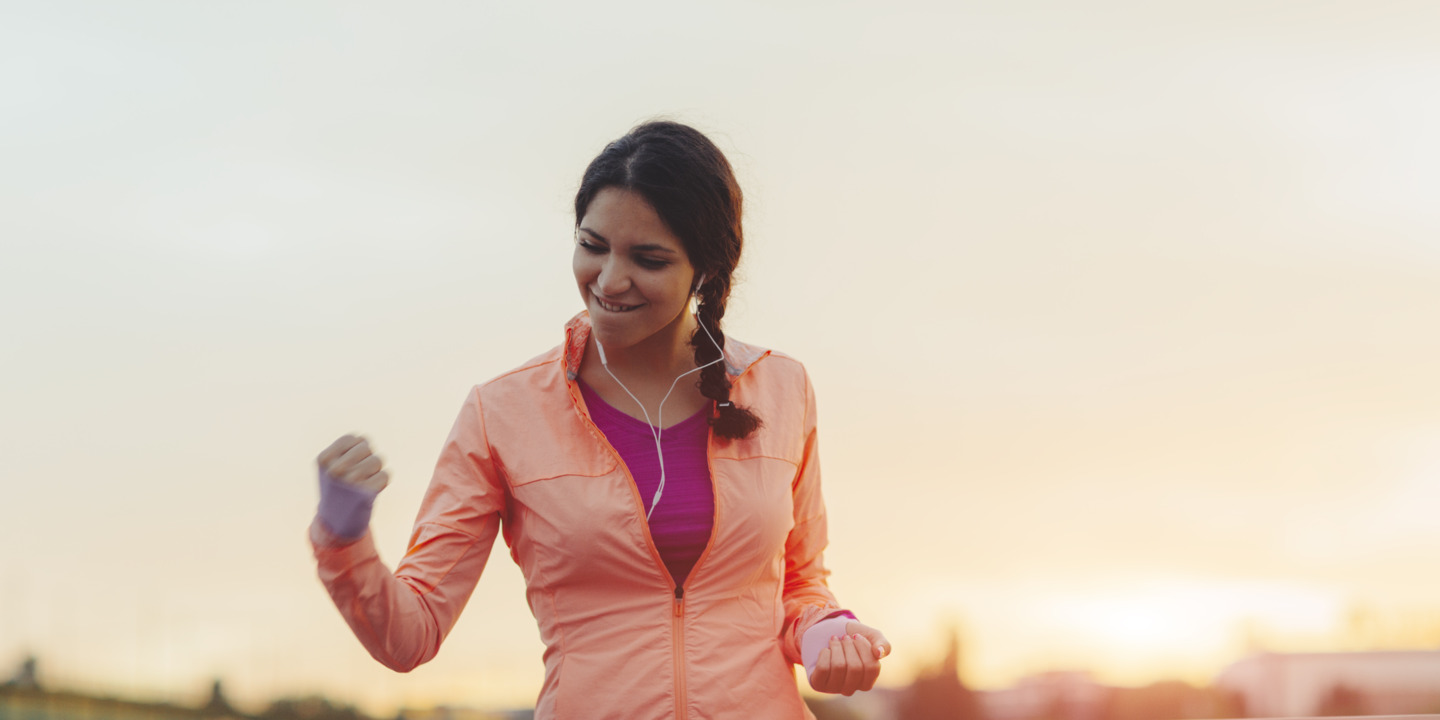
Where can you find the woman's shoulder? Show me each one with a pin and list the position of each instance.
(776, 387)
(534, 375)
(742, 358)
(764, 372)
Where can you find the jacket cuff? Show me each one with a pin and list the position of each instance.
(336, 555)
(796, 629)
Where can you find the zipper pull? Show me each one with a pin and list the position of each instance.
(679, 599)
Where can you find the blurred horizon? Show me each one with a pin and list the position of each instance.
(1121, 318)
(1353, 682)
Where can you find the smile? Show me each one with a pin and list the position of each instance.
(614, 308)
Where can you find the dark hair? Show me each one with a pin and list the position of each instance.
(689, 183)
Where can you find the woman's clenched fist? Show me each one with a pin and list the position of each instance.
(350, 461)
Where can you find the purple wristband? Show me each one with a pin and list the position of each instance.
(344, 508)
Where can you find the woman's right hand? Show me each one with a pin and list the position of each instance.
(349, 460)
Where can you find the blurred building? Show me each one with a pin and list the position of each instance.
(25, 677)
(1075, 695)
(1396, 682)
(877, 704)
(939, 693)
(1060, 695)
(1169, 700)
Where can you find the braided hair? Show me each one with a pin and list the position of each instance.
(690, 184)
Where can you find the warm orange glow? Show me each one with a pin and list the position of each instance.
(1122, 320)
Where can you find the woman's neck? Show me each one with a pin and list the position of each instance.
(666, 353)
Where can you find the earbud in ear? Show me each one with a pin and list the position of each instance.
(695, 295)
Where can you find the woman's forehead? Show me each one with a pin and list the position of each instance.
(623, 217)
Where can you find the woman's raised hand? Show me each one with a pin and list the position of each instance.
(349, 460)
(852, 662)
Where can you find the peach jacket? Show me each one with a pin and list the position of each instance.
(621, 641)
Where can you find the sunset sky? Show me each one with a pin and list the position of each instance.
(1124, 319)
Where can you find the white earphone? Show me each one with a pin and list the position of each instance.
(655, 427)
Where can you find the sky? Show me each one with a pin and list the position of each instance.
(1122, 318)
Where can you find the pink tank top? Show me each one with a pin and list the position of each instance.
(682, 522)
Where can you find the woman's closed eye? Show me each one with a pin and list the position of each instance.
(649, 262)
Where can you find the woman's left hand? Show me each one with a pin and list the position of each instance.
(851, 662)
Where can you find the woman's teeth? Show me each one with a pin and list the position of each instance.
(615, 308)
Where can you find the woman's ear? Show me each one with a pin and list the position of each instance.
(695, 295)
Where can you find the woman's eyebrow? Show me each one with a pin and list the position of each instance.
(649, 247)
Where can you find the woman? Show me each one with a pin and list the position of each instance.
(674, 568)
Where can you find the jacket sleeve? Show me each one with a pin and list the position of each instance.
(401, 618)
(806, 597)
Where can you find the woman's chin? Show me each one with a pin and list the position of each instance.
(614, 327)
(613, 338)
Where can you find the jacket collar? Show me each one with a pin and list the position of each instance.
(739, 356)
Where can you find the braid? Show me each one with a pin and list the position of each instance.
(730, 420)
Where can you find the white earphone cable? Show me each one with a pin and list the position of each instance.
(657, 429)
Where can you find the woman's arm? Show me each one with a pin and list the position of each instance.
(402, 618)
(840, 654)
(807, 597)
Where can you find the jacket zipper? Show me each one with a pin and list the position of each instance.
(678, 623)
(678, 651)
(680, 692)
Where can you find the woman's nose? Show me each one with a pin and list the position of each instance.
(613, 279)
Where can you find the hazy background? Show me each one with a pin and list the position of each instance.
(1123, 317)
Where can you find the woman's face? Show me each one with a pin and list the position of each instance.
(633, 274)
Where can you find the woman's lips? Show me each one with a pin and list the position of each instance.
(613, 307)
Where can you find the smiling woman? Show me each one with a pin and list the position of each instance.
(635, 279)
(692, 599)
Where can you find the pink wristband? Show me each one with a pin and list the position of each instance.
(818, 637)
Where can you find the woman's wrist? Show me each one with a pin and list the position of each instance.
(818, 637)
(344, 509)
